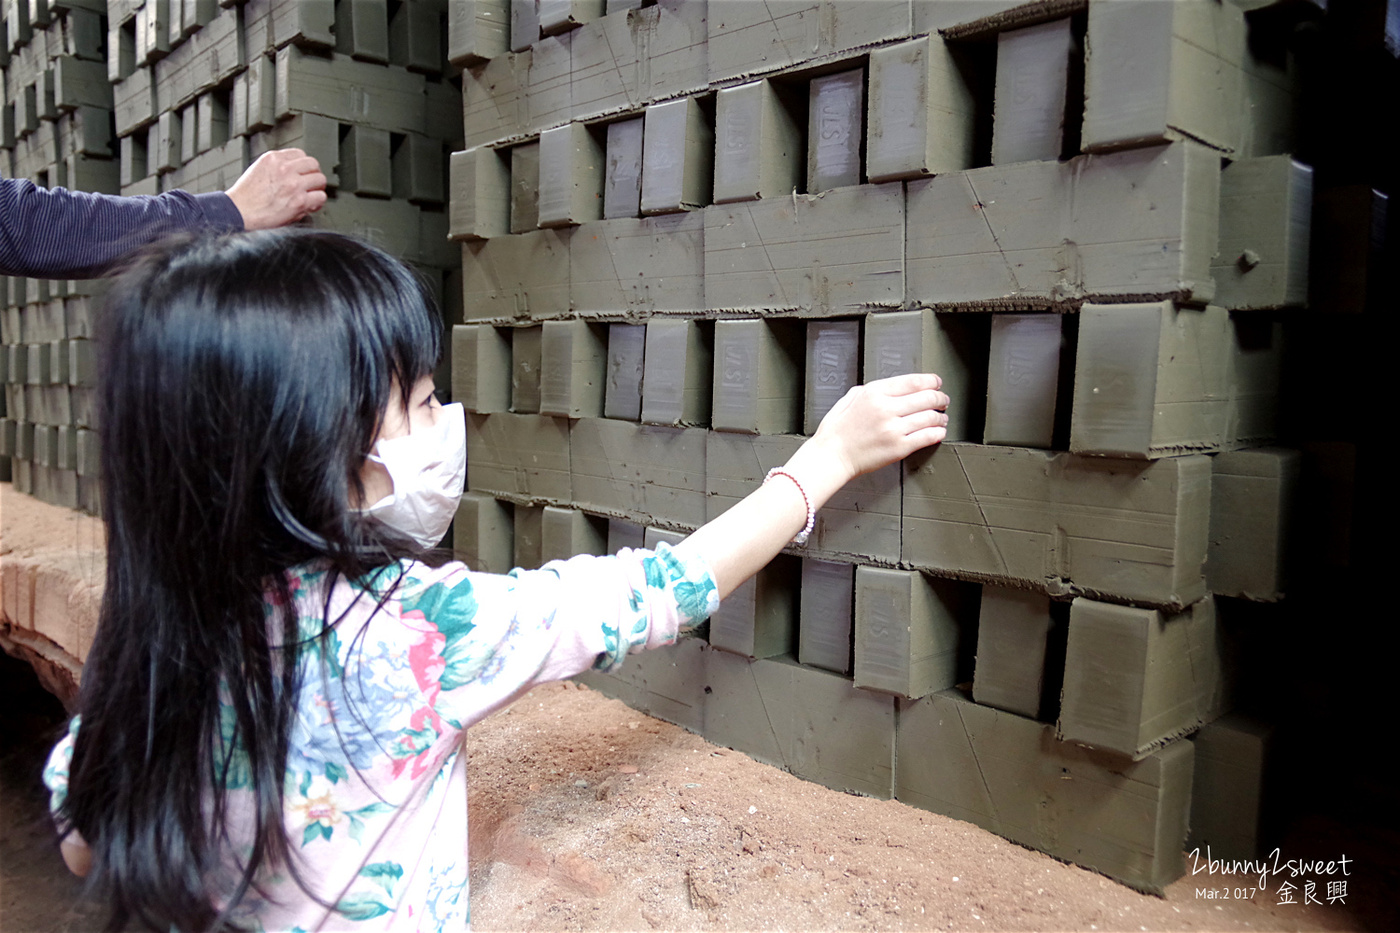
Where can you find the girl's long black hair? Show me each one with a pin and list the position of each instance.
(242, 383)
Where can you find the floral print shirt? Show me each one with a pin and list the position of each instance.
(375, 794)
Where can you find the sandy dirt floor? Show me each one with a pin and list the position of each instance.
(587, 815)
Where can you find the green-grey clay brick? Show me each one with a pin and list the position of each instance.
(529, 536)
(1012, 631)
(758, 620)
(757, 386)
(262, 92)
(1229, 792)
(343, 89)
(417, 164)
(1022, 379)
(512, 276)
(622, 170)
(133, 158)
(1058, 523)
(483, 533)
(78, 83)
(652, 536)
(860, 521)
(134, 100)
(163, 152)
(833, 367)
(677, 370)
(677, 157)
(824, 618)
(362, 30)
(668, 683)
(921, 112)
(480, 197)
(758, 144)
(66, 447)
(523, 456)
(16, 405)
(952, 345)
(481, 367)
(84, 403)
(1151, 380)
(747, 38)
(1163, 70)
(477, 31)
(558, 16)
(566, 532)
(821, 256)
(1136, 679)
(308, 22)
(189, 133)
(24, 441)
(58, 404)
(835, 120)
(1252, 496)
(91, 131)
(639, 265)
(1265, 229)
(7, 437)
(1032, 75)
(571, 176)
(908, 626)
(642, 473)
(364, 162)
(45, 444)
(524, 24)
(1140, 224)
(655, 53)
(17, 368)
(810, 722)
(527, 344)
(89, 453)
(622, 533)
(37, 372)
(573, 368)
(1009, 775)
(415, 38)
(623, 388)
(58, 362)
(524, 187)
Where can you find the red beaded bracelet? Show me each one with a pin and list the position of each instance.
(801, 536)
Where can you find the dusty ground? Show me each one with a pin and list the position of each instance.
(589, 816)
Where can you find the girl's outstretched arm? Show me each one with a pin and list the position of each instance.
(872, 426)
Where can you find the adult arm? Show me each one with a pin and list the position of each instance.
(74, 234)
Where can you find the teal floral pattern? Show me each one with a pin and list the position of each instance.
(375, 792)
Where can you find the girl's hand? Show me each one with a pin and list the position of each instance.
(873, 425)
(883, 421)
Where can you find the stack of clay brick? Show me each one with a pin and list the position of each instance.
(687, 229)
(144, 96)
(56, 130)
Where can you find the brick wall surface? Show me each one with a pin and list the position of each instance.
(671, 233)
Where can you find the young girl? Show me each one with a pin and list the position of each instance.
(272, 710)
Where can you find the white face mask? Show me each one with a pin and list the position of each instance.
(429, 469)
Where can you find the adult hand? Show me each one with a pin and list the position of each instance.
(281, 187)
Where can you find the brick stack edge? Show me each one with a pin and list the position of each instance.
(686, 228)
